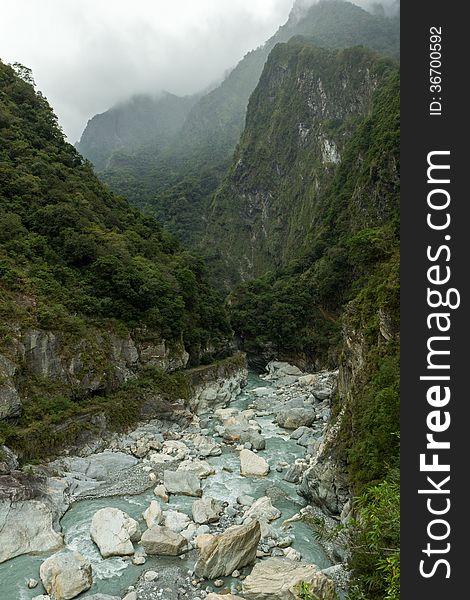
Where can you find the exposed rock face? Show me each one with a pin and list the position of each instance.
(252, 464)
(279, 578)
(113, 531)
(162, 541)
(8, 460)
(206, 510)
(30, 509)
(182, 482)
(232, 550)
(66, 574)
(102, 361)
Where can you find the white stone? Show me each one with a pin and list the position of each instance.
(153, 514)
(252, 464)
(66, 574)
(113, 531)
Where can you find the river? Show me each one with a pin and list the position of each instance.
(113, 576)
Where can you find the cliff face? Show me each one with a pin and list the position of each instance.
(305, 108)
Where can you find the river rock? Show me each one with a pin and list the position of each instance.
(263, 510)
(307, 380)
(206, 510)
(252, 464)
(176, 521)
(229, 551)
(100, 466)
(113, 531)
(153, 514)
(200, 467)
(254, 438)
(66, 574)
(161, 492)
(278, 579)
(182, 483)
(162, 541)
(206, 446)
(293, 418)
(294, 473)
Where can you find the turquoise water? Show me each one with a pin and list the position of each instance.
(114, 575)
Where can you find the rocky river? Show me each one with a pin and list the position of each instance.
(206, 509)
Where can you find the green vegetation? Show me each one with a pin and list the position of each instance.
(76, 253)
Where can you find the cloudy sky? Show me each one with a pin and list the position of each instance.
(87, 55)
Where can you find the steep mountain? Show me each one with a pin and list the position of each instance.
(92, 293)
(133, 124)
(175, 184)
(311, 204)
(302, 114)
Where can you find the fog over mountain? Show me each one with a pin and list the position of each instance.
(90, 55)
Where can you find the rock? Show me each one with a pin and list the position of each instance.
(42, 597)
(100, 466)
(326, 484)
(245, 500)
(32, 583)
(307, 380)
(161, 492)
(190, 531)
(162, 541)
(30, 510)
(263, 510)
(299, 432)
(339, 574)
(293, 418)
(252, 464)
(153, 514)
(66, 574)
(8, 460)
(231, 550)
(176, 521)
(206, 446)
(150, 575)
(203, 539)
(138, 560)
(200, 467)
(182, 483)
(261, 392)
(113, 531)
(254, 438)
(294, 473)
(278, 579)
(206, 510)
(131, 596)
(292, 554)
(219, 582)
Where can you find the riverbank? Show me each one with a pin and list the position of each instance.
(248, 456)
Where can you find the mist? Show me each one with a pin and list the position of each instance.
(88, 56)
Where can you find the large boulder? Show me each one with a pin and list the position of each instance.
(292, 418)
(66, 574)
(206, 510)
(280, 578)
(183, 483)
(153, 514)
(162, 541)
(256, 440)
(252, 464)
(213, 596)
(113, 531)
(229, 551)
(30, 510)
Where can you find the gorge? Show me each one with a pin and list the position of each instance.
(124, 348)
